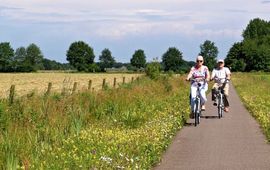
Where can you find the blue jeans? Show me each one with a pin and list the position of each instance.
(193, 91)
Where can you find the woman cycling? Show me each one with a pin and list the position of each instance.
(198, 74)
(220, 75)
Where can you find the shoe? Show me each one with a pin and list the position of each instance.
(203, 107)
(191, 115)
(226, 109)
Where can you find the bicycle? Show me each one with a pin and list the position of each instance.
(220, 98)
(196, 110)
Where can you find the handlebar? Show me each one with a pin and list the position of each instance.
(198, 81)
(220, 79)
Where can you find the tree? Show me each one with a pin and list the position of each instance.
(80, 55)
(253, 52)
(18, 62)
(138, 59)
(172, 59)
(33, 59)
(257, 54)
(235, 58)
(106, 59)
(6, 54)
(209, 52)
(51, 64)
(257, 28)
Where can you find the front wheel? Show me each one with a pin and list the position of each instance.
(220, 108)
(219, 112)
(197, 112)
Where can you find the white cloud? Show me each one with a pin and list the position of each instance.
(122, 19)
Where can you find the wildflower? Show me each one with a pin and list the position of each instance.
(106, 159)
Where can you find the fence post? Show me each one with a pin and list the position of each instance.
(74, 87)
(114, 82)
(11, 94)
(124, 79)
(103, 83)
(49, 89)
(132, 79)
(89, 84)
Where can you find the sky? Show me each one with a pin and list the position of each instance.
(124, 26)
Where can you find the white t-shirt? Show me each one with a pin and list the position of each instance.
(220, 74)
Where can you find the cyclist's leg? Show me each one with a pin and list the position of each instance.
(214, 91)
(226, 95)
(193, 90)
(203, 90)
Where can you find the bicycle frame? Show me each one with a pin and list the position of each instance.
(197, 106)
(220, 99)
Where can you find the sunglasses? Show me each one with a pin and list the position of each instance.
(199, 61)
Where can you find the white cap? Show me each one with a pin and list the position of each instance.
(200, 57)
(220, 61)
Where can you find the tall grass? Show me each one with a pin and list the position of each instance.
(255, 93)
(128, 127)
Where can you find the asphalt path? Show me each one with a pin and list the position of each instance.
(234, 142)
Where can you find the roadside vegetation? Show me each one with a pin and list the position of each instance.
(124, 128)
(255, 93)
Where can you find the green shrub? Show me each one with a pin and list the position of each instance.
(153, 70)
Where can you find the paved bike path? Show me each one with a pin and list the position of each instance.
(234, 142)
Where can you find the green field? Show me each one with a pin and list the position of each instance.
(254, 90)
(124, 128)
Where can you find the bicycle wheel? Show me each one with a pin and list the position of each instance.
(221, 106)
(197, 112)
(218, 106)
(219, 112)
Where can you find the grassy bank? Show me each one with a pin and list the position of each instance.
(124, 128)
(254, 90)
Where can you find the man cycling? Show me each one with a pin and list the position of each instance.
(220, 75)
(200, 73)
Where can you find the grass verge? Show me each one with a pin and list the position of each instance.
(254, 91)
(124, 128)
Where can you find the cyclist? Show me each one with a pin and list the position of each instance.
(220, 74)
(200, 73)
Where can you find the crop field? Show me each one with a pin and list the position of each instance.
(254, 90)
(26, 83)
(123, 128)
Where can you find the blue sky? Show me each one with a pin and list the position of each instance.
(126, 25)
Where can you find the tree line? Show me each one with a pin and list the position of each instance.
(26, 59)
(253, 52)
(81, 57)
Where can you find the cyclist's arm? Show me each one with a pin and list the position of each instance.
(207, 78)
(228, 74)
(213, 75)
(189, 74)
(228, 77)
